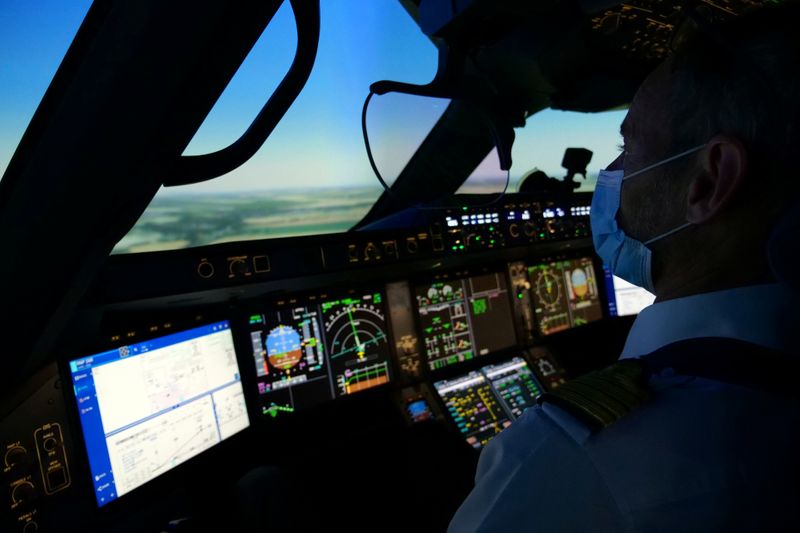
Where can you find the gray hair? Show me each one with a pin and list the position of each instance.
(742, 78)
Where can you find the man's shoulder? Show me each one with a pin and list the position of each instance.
(600, 398)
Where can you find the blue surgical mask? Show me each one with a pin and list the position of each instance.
(627, 258)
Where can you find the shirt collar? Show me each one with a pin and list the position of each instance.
(760, 314)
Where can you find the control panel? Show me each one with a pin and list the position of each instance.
(520, 220)
(647, 29)
(36, 450)
(514, 223)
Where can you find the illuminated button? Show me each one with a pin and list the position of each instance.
(56, 478)
(352, 253)
(261, 264)
(371, 252)
(390, 248)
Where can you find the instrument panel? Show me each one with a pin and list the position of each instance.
(146, 407)
(457, 338)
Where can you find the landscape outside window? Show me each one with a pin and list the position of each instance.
(312, 175)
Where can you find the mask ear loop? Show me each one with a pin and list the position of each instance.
(667, 234)
(655, 165)
(664, 162)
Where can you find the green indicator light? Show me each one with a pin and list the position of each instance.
(491, 228)
(464, 208)
(480, 306)
(478, 238)
(461, 247)
(541, 235)
(521, 296)
(455, 248)
(491, 241)
(377, 298)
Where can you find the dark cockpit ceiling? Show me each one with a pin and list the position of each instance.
(134, 87)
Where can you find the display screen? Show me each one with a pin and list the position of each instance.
(148, 407)
(464, 318)
(514, 383)
(484, 402)
(315, 351)
(625, 299)
(564, 294)
(418, 410)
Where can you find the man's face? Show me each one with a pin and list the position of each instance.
(648, 206)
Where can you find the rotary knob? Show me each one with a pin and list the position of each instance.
(529, 229)
(205, 269)
(24, 492)
(16, 456)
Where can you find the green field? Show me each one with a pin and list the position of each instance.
(181, 220)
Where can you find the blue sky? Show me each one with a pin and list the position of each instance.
(319, 141)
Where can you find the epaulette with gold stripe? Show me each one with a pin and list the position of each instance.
(600, 398)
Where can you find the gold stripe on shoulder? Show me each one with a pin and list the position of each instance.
(600, 398)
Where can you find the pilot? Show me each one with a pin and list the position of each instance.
(697, 426)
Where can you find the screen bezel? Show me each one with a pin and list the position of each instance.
(274, 303)
(602, 293)
(492, 268)
(164, 484)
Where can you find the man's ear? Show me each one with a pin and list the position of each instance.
(724, 161)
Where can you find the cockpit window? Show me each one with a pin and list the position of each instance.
(541, 143)
(35, 37)
(312, 175)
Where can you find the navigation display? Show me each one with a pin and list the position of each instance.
(483, 403)
(564, 294)
(148, 407)
(358, 346)
(315, 351)
(464, 318)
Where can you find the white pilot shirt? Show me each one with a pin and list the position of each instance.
(696, 458)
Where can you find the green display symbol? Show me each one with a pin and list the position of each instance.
(274, 409)
(480, 306)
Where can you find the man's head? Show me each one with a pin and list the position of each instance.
(732, 89)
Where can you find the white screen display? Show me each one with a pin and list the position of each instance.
(148, 407)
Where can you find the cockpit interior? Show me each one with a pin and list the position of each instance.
(290, 265)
